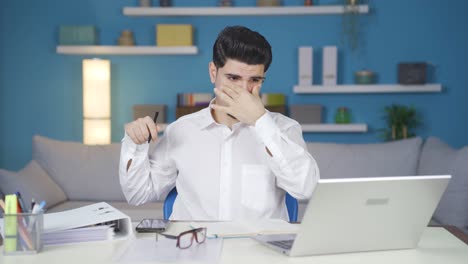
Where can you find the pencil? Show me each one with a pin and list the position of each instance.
(154, 120)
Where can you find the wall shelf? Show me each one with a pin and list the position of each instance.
(126, 50)
(373, 88)
(320, 128)
(239, 11)
(334, 128)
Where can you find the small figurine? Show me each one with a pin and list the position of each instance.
(225, 3)
(145, 3)
(165, 2)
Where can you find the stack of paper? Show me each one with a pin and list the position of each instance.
(92, 233)
(243, 229)
(94, 222)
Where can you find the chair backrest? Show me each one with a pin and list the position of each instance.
(168, 203)
(291, 204)
(293, 208)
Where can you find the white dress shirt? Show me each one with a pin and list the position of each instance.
(221, 174)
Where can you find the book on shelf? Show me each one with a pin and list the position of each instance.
(194, 99)
(99, 221)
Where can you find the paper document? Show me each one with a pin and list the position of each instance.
(242, 229)
(165, 250)
(99, 221)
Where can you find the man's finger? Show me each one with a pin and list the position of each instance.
(236, 88)
(256, 91)
(137, 133)
(220, 108)
(230, 92)
(222, 95)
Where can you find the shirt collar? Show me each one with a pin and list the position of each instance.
(206, 117)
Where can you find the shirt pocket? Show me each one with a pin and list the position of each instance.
(258, 186)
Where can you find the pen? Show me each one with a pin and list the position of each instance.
(33, 202)
(2, 205)
(154, 120)
(36, 209)
(39, 207)
(21, 203)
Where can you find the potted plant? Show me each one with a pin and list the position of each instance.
(401, 121)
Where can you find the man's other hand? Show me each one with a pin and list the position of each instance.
(244, 106)
(140, 129)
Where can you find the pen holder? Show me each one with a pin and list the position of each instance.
(23, 233)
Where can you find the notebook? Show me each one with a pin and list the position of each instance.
(363, 214)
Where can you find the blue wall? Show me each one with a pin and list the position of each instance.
(40, 91)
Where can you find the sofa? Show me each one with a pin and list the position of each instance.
(69, 174)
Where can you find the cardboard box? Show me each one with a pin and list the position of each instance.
(149, 110)
(330, 64)
(282, 109)
(78, 35)
(168, 35)
(305, 66)
(185, 110)
(306, 114)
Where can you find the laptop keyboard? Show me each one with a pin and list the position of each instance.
(284, 244)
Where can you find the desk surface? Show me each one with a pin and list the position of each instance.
(437, 245)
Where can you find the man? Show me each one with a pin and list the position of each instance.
(232, 160)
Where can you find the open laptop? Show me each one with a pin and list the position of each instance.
(363, 214)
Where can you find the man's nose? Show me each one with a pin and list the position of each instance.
(247, 86)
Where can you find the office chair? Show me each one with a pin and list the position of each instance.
(291, 204)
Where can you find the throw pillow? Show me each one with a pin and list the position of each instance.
(32, 182)
(83, 172)
(397, 158)
(439, 158)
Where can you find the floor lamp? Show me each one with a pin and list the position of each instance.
(96, 102)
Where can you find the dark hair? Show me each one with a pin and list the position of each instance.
(242, 44)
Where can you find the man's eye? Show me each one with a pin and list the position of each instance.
(257, 80)
(233, 78)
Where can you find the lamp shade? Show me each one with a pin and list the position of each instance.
(96, 102)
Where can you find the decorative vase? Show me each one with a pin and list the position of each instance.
(342, 116)
(364, 77)
(400, 132)
(126, 38)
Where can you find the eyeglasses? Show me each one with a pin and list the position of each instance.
(185, 239)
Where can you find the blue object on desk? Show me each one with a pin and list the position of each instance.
(291, 204)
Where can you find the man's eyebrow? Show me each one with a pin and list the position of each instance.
(238, 76)
(231, 75)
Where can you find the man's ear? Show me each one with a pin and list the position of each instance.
(212, 71)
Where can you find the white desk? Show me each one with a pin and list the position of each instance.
(436, 246)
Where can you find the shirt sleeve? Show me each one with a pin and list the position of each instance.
(295, 169)
(151, 174)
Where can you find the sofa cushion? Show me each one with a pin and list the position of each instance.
(32, 182)
(397, 158)
(136, 213)
(83, 172)
(439, 158)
